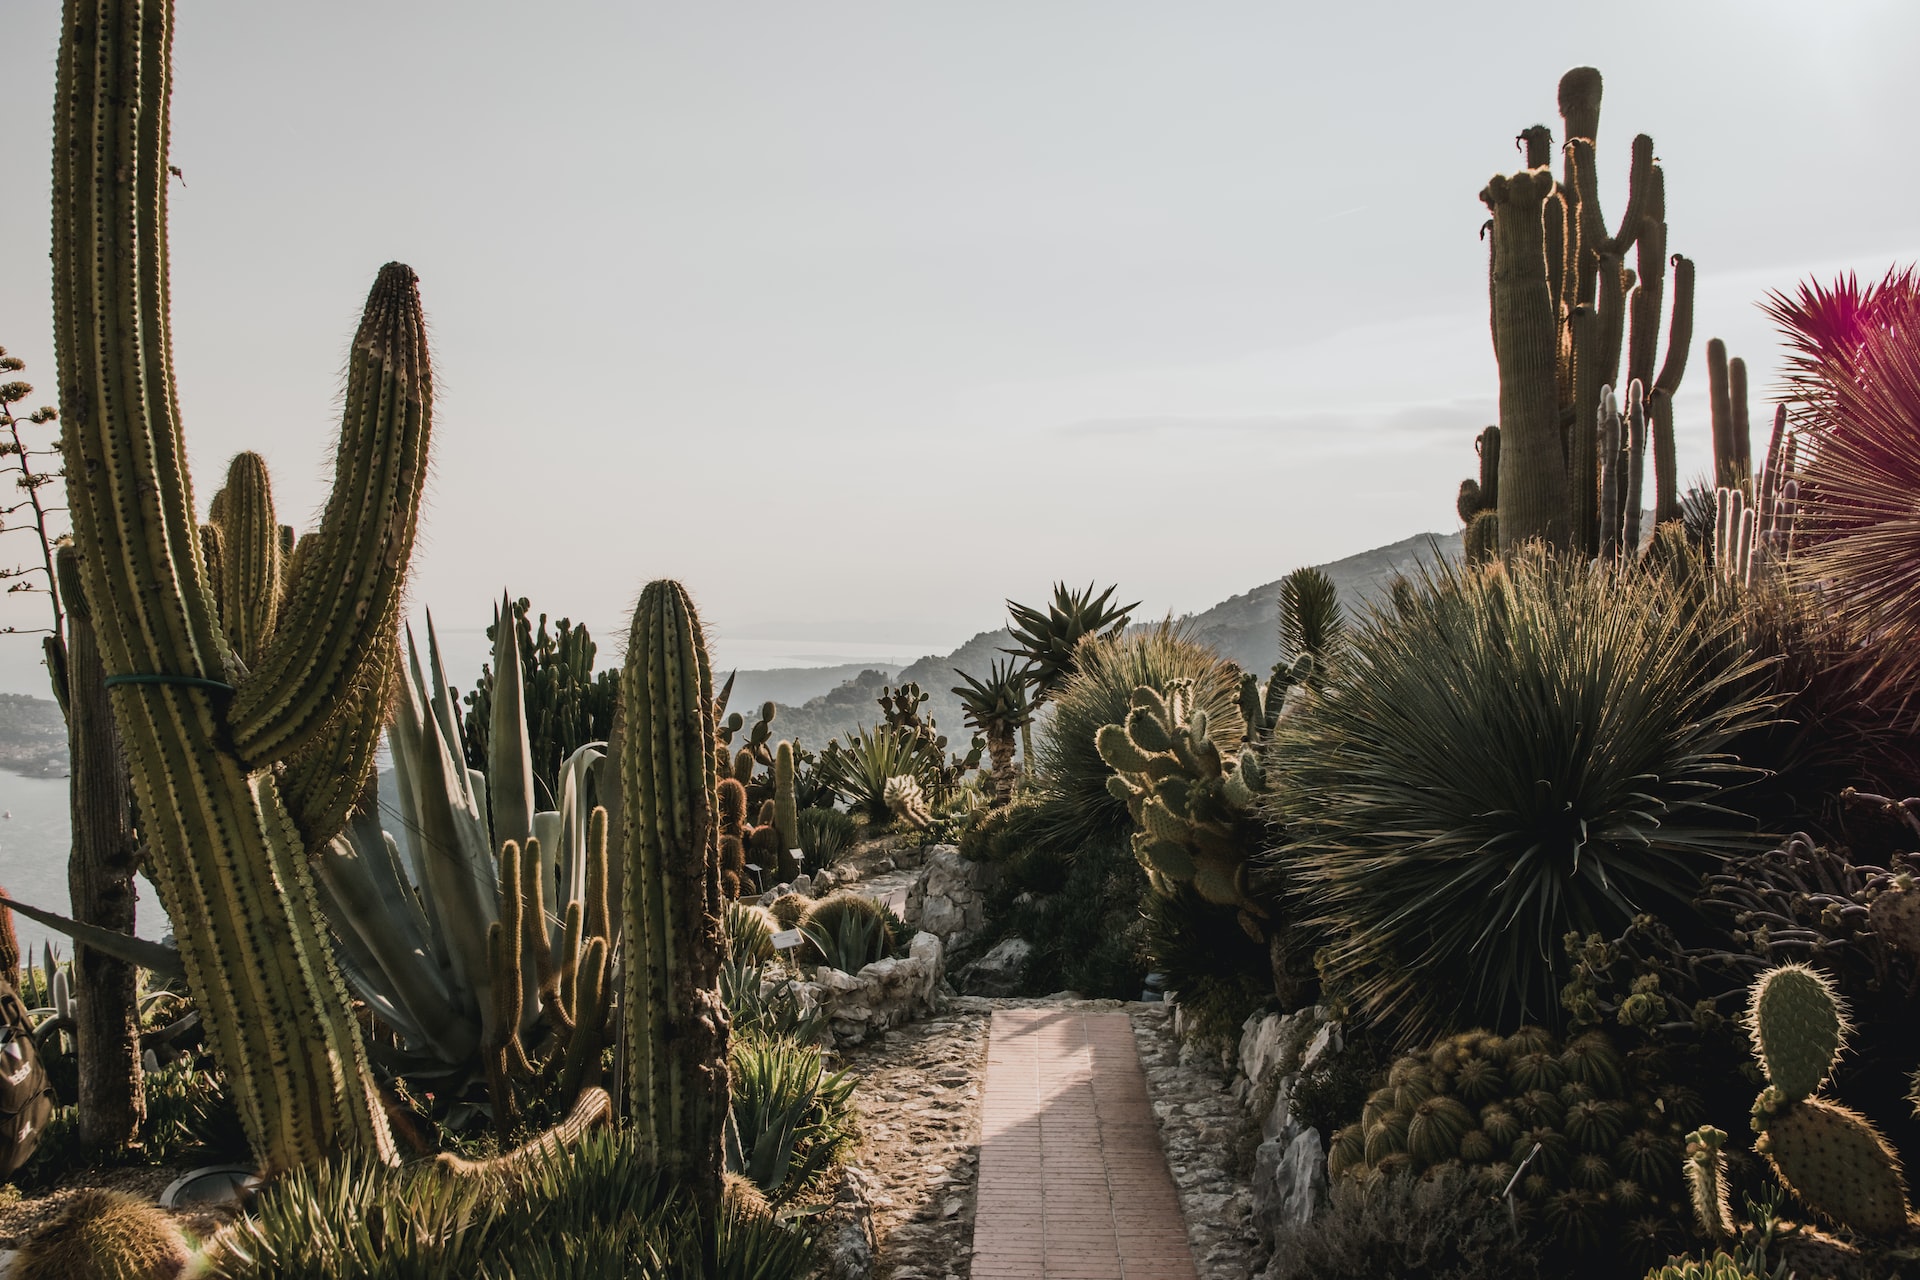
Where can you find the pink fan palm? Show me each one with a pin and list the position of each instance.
(1855, 368)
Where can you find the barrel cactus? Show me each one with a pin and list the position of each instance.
(104, 1235)
(1573, 1130)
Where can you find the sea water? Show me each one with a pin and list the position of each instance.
(35, 839)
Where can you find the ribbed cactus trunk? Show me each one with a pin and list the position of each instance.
(676, 1026)
(223, 845)
(112, 1097)
(1533, 466)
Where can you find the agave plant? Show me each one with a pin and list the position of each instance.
(1511, 753)
(1048, 638)
(790, 1119)
(1855, 365)
(999, 709)
(413, 930)
(858, 769)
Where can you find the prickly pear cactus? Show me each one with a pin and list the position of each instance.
(1831, 1158)
(1192, 806)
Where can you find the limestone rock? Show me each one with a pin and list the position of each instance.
(998, 972)
(1289, 1183)
(949, 898)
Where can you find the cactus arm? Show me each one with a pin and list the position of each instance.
(327, 779)
(346, 595)
(509, 749)
(1672, 369)
(676, 1025)
(248, 577)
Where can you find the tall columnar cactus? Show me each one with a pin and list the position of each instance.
(786, 808)
(676, 1026)
(1565, 307)
(249, 580)
(1831, 1158)
(207, 745)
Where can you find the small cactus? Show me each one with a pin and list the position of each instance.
(908, 802)
(104, 1235)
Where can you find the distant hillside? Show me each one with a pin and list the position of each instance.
(33, 736)
(790, 685)
(1247, 627)
(1244, 628)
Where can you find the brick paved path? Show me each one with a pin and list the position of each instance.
(1073, 1183)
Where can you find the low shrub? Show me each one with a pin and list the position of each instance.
(594, 1209)
(848, 931)
(1411, 1228)
(825, 834)
(791, 1119)
(1216, 971)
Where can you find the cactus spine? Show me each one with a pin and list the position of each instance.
(224, 850)
(676, 1026)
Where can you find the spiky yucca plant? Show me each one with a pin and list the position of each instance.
(1855, 364)
(1511, 753)
(999, 709)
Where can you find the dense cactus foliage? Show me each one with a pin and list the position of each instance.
(1593, 1134)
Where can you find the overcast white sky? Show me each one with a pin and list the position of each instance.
(861, 317)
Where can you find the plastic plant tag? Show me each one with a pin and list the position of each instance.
(786, 939)
(799, 857)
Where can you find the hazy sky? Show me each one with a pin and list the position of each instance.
(861, 317)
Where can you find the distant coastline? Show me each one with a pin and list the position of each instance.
(33, 736)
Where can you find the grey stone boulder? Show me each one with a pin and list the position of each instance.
(998, 972)
(1289, 1183)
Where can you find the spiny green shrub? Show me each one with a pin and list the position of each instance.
(597, 1204)
(1721, 1266)
(791, 1119)
(847, 931)
(1513, 751)
(1599, 1135)
(1438, 1228)
(825, 834)
(859, 768)
(1082, 915)
(1080, 810)
(103, 1235)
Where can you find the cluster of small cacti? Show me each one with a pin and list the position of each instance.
(568, 704)
(1581, 1136)
(1721, 1266)
(924, 742)
(1479, 500)
(1191, 804)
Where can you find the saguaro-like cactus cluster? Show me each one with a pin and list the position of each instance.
(1565, 306)
(223, 754)
(676, 1025)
